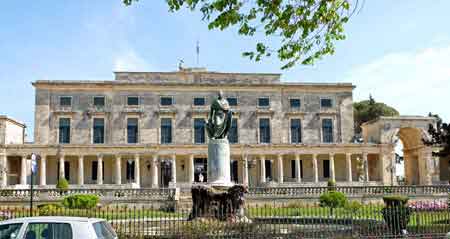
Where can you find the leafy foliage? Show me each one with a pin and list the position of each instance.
(333, 199)
(440, 136)
(367, 110)
(62, 184)
(49, 209)
(353, 206)
(306, 30)
(80, 201)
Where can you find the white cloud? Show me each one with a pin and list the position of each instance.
(130, 60)
(414, 83)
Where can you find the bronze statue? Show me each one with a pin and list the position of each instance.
(219, 120)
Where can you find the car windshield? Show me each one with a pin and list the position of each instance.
(9, 231)
(104, 230)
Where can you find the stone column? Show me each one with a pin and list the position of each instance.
(332, 172)
(280, 168)
(348, 159)
(118, 170)
(245, 170)
(298, 171)
(174, 169)
(315, 168)
(43, 171)
(262, 161)
(155, 171)
(61, 167)
(4, 160)
(366, 167)
(191, 168)
(80, 179)
(100, 169)
(23, 170)
(137, 174)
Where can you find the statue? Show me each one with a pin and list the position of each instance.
(219, 120)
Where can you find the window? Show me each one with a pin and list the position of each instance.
(130, 170)
(103, 230)
(94, 172)
(199, 131)
(268, 165)
(232, 101)
(264, 102)
(326, 168)
(327, 130)
(10, 230)
(166, 101)
(233, 133)
(293, 169)
(132, 100)
(99, 101)
(65, 101)
(199, 101)
(295, 103)
(326, 103)
(64, 130)
(48, 230)
(296, 131)
(264, 130)
(66, 170)
(99, 131)
(166, 130)
(132, 130)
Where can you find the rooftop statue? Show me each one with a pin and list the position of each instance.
(219, 120)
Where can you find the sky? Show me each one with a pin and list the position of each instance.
(397, 51)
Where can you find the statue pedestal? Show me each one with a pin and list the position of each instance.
(219, 163)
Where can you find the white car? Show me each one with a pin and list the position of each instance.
(56, 228)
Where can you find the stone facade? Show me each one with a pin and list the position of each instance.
(152, 163)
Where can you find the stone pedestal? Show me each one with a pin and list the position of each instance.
(219, 163)
(222, 204)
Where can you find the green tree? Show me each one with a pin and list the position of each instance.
(367, 110)
(440, 136)
(304, 30)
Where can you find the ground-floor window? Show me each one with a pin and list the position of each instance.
(326, 168)
(130, 170)
(268, 165)
(234, 171)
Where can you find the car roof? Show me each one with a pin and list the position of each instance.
(52, 219)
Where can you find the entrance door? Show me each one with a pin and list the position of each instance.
(166, 173)
(200, 168)
(234, 171)
(268, 164)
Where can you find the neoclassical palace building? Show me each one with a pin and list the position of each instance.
(147, 130)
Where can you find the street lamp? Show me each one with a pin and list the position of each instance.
(33, 171)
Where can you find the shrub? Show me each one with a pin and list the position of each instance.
(48, 209)
(353, 206)
(396, 213)
(331, 184)
(81, 201)
(333, 200)
(62, 184)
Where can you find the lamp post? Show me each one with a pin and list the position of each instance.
(33, 170)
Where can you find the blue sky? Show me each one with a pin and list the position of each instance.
(398, 51)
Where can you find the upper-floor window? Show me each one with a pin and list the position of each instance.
(264, 102)
(132, 100)
(166, 100)
(132, 130)
(64, 130)
(99, 131)
(264, 130)
(199, 101)
(166, 130)
(326, 103)
(296, 131)
(65, 101)
(327, 130)
(199, 131)
(99, 101)
(233, 133)
(294, 103)
(232, 101)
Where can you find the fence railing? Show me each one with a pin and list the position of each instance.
(430, 219)
(431, 190)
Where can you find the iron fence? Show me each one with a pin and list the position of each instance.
(425, 219)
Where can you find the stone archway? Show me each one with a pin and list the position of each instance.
(420, 166)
